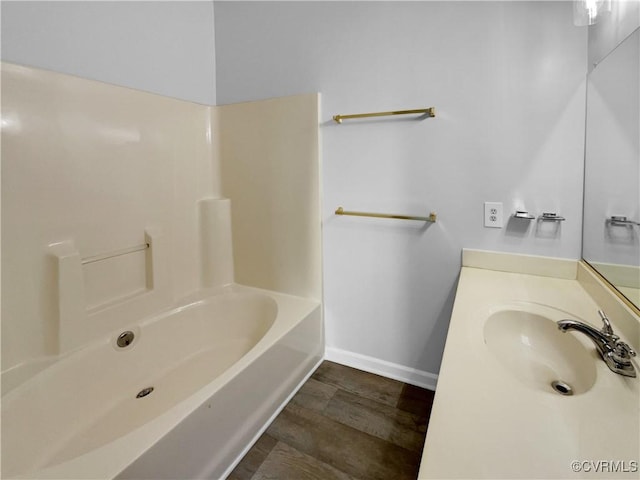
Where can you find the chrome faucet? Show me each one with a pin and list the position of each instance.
(616, 354)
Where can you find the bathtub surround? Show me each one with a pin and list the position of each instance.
(113, 221)
(90, 295)
(91, 170)
(274, 191)
(216, 242)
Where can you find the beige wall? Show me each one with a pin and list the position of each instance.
(274, 190)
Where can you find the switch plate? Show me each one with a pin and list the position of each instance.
(493, 214)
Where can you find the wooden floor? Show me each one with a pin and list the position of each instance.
(343, 424)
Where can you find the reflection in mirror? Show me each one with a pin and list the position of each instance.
(611, 231)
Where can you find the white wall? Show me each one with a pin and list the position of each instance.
(612, 160)
(612, 28)
(613, 143)
(507, 80)
(160, 47)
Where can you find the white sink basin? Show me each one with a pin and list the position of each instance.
(530, 346)
(494, 400)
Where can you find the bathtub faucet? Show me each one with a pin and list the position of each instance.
(616, 354)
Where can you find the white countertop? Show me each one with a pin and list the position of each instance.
(487, 423)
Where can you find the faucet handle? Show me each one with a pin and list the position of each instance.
(622, 353)
(607, 324)
(625, 349)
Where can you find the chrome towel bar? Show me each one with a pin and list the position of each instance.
(551, 217)
(431, 218)
(621, 220)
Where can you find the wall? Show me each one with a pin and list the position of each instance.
(613, 113)
(91, 167)
(160, 47)
(507, 80)
(270, 169)
(612, 29)
(612, 160)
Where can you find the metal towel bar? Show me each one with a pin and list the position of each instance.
(621, 220)
(429, 112)
(431, 218)
(116, 253)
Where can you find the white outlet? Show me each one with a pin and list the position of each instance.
(493, 214)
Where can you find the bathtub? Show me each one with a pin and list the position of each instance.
(221, 365)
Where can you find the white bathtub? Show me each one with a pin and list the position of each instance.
(221, 365)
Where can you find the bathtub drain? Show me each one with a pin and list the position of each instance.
(125, 339)
(144, 392)
(561, 387)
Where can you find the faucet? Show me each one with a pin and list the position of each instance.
(616, 354)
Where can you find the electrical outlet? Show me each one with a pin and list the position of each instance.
(493, 214)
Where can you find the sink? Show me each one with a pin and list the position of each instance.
(529, 345)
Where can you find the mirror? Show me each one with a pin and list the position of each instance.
(611, 224)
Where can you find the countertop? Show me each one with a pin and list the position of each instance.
(487, 423)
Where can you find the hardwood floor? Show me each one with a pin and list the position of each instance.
(343, 424)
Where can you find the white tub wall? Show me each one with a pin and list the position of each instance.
(120, 302)
(94, 165)
(164, 47)
(216, 242)
(274, 187)
(507, 81)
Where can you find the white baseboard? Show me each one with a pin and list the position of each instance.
(404, 374)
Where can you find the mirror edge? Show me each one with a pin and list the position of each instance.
(632, 306)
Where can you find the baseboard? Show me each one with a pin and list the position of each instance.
(404, 374)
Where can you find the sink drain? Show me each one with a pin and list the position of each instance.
(561, 387)
(144, 392)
